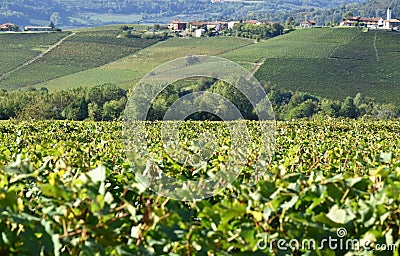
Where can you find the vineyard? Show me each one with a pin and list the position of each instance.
(306, 43)
(66, 188)
(126, 71)
(83, 50)
(20, 48)
(331, 63)
(364, 63)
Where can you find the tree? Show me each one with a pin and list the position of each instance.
(305, 109)
(232, 94)
(359, 99)
(100, 94)
(113, 109)
(94, 112)
(156, 27)
(348, 109)
(348, 15)
(290, 21)
(296, 99)
(77, 110)
(330, 108)
(191, 60)
(52, 25)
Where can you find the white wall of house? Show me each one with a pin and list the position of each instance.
(231, 24)
(199, 32)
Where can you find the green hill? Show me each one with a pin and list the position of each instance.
(76, 52)
(360, 62)
(126, 71)
(328, 62)
(19, 48)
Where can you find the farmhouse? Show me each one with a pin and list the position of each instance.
(10, 27)
(360, 21)
(214, 25)
(308, 24)
(177, 25)
(37, 29)
(375, 23)
(254, 22)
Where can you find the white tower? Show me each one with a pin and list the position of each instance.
(389, 13)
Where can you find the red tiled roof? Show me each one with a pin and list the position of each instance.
(177, 22)
(198, 23)
(252, 21)
(309, 22)
(369, 19)
(393, 20)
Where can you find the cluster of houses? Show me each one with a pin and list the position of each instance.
(374, 23)
(10, 27)
(200, 27)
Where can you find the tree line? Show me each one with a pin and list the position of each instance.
(262, 31)
(102, 102)
(107, 102)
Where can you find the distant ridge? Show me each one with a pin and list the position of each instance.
(74, 13)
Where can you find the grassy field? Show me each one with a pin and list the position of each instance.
(115, 18)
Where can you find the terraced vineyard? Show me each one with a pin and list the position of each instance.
(67, 188)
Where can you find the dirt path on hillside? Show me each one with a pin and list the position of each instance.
(5, 75)
(257, 66)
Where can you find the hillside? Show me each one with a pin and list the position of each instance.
(35, 58)
(329, 62)
(335, 63)
(126, 71)
(88, 13)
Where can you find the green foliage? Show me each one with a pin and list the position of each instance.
(304, 109)
(83, 50)
(102, 102)
(66, 189)
(107, 102)
(77, 110)
(19, 48)
(348, 108)
(125, 72)
(112, 109)
(330, 62)
(262, 31)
